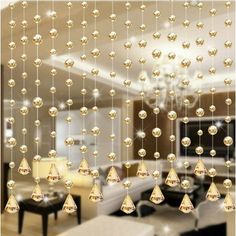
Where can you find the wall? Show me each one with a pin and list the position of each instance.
(164, 123)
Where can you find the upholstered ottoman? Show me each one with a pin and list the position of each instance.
(109, 225)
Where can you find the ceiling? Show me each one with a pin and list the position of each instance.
(104, 44)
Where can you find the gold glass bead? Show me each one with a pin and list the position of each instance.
(38, 62)
(68, 184)
(95, 52)
(24, 110)
(172, 178)
(172, 18)
(212, 108)
(199, 41)
(228, 164)
(185, 63)
(213, 152)
(53, 15)
(69, 205)
(12, 64)
(52, 90)
(69, 63)
(172, 115)
(37, 102)
(228, 141)
(84, 24)
(212, 12)
(69, 141)
(37, 158)
(127, 206)
(212, 130)
(95, 72)
(228, 22)
(156, 35)
(142, 152)
(171, 157)
(95, 194)
(12, 45)
(156, 53)
(228, 62)
(12, 23)
(229, 205)
(83, 111)
(12, 205)
(142, 43)
(228, 101)
(113, 35)
(95, 34)
(212, 172)
(172, 37)
(156, 132)
(128, 142)
(227, 81)
(142, 27)
(84, 4)
(186, 164)
(127, 63)
(37, 19)
(200, 112)
(127, 5)
(212, 33)
(37, 123)
(186, 205)
(53, 134)
(200, 168)
(228, 44)
(212, 52)
(11, 83)
(186, 45)
(186, 23)
(53, 72)
(24, 168)
(142, 60)
(69, 44)
(94, 174)
(128, 24)
(53, 33)
(84, 167)
(156, 110)
(227, 119)
(24, 24)
(186, 141)
(95, 13)
(199, 150)
(12, 165)
(200, 25)
(112, 17)
(200, 132)
(127, 184)
(10, 184)
(213, 193)
(53, 111)
(171, 55)
(24, 4)
(227, 183)
(199, 58)
(185, 184)
(142, 114)
(112, 114)
(156, 155)
(157, 197)
(23, 57)
(112, 156)
(69, 23)
(52, 153)
(95, 131)
(11, 120)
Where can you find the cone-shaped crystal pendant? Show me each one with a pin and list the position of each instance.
(142, 171)
(112, 176)
(37, 194)
(228, 203)
(213, 193)
(12, 205)
(53, 175)
(172, 178)
(84, 167)
(69, 205)
(157, 197)
(127, 205)
(24, 168)
(200, 168)
(95, 194)
(186, 205)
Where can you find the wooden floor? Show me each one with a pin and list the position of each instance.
(33, 224)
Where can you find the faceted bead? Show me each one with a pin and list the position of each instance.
(112, 114)
(142, 171)
(186, 141)
(112, 176)
(127, 205)
(228, 203)
(69, 63)
(156, 155)
(171, 157)
(95, 131)
(128, 142)
(37, 194)
(157, 197)
(200, 168)
(227, 183)
(186, 205)
(95, 194)
(12, 205)
(10, 184)
(53, 111)
(69, 141)
(228, 141)
(185, 184)
(172, 115)
(172, 37)
(212, 172)
(37, 102)
(213, 193)
(155, 174)
(172, 178)
(37, 39)
(200, 112)
(69, 205)
(212, 130)
(127, 184)
(12, 64)
(53, 175)
(84, 167)
(24, 167)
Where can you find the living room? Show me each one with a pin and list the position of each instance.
(118, 118)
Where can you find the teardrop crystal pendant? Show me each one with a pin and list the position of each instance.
(24, 168)
(172, 178)
(213, 193)
(69, 205)
(12, 205)
(200, 168)
(186, 205)
(53, 175)
(127, 205)
(95, 194)
(84, 167)
(142, 171)
(228, 203)
(112, 176)
(37, 194)
(157, 197)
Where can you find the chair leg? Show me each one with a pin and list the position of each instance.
(20, 220)
(55, 215)
(45, 224)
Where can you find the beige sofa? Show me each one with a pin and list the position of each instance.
(113, 194)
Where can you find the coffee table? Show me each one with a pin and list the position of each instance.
(45, 208)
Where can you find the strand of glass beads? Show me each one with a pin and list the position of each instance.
(37, 194)
(200, 169)
(127, 204)
(229, 204)
(186, 205)
(84, 166)
(212, 193)
(95, 194)
(156, 196)
(112, 176)
(69, 204)
(12, 204)
(172, 178)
